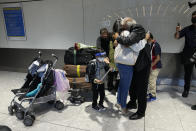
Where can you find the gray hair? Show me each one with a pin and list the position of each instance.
(128, 21)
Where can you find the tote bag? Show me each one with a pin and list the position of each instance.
(125, 55)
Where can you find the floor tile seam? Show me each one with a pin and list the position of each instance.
(160, 128)
(178, 115)
(63, 125)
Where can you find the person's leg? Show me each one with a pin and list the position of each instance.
(102, 94)
(152, 82)
(119, 87)
(142, 90)
(188, 68)
(95, 94)
(126, 78)
(132, 92)
(142, 84)
(110, 81)
(116, 81)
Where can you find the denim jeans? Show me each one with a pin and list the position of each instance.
(126, 73)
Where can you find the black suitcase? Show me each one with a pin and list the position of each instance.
(79, 57)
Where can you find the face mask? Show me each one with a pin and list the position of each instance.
(193, 20)
(101, 59)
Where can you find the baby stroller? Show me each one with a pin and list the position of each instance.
(47, 93)
(31, 78)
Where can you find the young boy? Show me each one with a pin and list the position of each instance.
(96, 70)
(155, 67)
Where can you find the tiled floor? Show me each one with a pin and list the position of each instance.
(170, 112)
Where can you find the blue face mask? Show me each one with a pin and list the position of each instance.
(101, 59)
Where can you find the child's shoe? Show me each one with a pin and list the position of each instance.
(150, 99)
(96, 108)
(101, 107)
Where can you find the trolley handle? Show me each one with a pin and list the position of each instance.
(40, 54)
(56, 59)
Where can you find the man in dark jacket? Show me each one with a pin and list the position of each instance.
(103, 41)
(189, 33)
(139, 85)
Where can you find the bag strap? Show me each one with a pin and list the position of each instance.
(75, 57)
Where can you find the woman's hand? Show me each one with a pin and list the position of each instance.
(106, 60)
(115, 36)
(115, 43)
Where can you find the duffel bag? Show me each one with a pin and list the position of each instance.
(79, 82)
(75, 70)
(74, 57)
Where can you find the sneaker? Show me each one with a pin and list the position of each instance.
(124, 111)
(96, 108)
(117, 106)
(101, 107)
(150, 99)
(149, 95)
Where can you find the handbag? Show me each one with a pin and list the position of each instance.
(125, 55)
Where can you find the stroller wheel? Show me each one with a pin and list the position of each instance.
(19, 114)
(10, 110)
(59, 105)
(28, 120)
(72, 100)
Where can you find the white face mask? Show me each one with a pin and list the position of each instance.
(101, 59)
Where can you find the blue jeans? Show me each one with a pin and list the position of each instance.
(126, 73)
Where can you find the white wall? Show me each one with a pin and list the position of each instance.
(158, 16)
(50, 24)
(57, 24)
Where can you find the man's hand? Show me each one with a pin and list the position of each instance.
(177, 34)
(178, 28)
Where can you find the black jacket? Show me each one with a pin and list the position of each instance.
(137, 33)
(144, 58)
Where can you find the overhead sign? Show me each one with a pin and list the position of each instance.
(14, 23)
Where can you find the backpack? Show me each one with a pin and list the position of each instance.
(90, 71)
